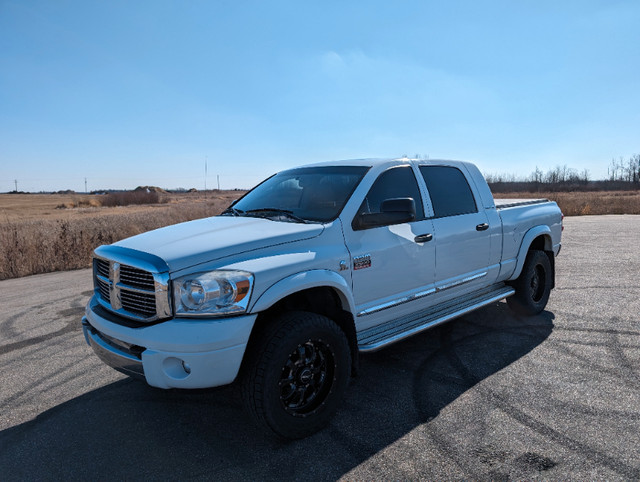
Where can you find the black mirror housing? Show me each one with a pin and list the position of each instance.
(393, 211)
(399, 205)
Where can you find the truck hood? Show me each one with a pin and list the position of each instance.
(204, 240)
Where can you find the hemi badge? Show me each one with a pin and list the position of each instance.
(361, 262)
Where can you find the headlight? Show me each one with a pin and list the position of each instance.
(212, 293)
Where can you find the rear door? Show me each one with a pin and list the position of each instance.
(461, 229)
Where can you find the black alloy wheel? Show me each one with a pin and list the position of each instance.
(307, 378)
(296, 374)
(533, 286)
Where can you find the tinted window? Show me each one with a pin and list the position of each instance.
(398, 182)
(449, 191)
(311, 193)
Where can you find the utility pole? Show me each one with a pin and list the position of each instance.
(205, 176)
(218, 182)
(85, 185)
(16, 183)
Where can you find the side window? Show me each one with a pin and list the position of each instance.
(449, 191)
(397, 182)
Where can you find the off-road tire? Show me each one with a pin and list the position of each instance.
(296, 374)
(533, 286)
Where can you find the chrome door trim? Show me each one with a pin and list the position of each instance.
(399, 301)
(462, 281)
(420, 294)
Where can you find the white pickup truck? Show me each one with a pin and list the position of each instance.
(285, 288)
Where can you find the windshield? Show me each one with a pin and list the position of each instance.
(302, 194)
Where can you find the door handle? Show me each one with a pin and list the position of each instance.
(423, 238)
(482, 227)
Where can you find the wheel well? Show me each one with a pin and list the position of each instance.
(543, 243)
(540, 243)
(323, 301)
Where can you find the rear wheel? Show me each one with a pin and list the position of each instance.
(294, 380)
(533, 286)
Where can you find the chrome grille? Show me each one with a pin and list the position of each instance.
(137, 278)
(102, 267)
(130, 291)
(103, 287)
(140, 303)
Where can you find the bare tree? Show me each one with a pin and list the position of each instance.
(633, 169)
(537, 176)
(584, 176)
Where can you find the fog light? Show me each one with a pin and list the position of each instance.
(176, 368)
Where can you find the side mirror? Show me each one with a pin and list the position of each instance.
(404, 205)
(393, 211)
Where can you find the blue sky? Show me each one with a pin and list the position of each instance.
(141, 93)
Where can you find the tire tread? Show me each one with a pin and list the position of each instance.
(521, 303)
(254, 374)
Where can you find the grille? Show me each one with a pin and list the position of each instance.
(140, 303)
(137, 278)
(103, 288)
(130, 291)
(102, 268)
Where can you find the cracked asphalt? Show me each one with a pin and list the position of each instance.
(490, 396)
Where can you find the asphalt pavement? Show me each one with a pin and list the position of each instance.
(490, 396)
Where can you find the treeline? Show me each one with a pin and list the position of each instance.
(622, 175)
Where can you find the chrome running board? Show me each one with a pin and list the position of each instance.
(395, 330)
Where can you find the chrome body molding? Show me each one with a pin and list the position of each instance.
(461, 281)
(401, 301)
(420, 294)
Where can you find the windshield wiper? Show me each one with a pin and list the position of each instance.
(233, 211)
(283, 212)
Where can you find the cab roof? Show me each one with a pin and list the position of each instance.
(372, 162)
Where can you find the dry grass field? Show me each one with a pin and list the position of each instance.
(37, 235)
(40, 233)
(585, 203)
(22, 207)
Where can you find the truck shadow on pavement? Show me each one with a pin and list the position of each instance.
(128, 430)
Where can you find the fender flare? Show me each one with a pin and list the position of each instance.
(527, 240)
(317, 278)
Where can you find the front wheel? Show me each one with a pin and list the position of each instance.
(295, 379)
(533, 286)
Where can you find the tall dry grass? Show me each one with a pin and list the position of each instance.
(35, 245)
(585, 203)
(40, 246)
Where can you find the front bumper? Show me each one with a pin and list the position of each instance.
(177, 353)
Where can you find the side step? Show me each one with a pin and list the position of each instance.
(395, 330)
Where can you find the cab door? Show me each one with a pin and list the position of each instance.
(393, 265)
(461, 230)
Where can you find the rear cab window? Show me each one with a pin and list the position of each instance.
(449, 191)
